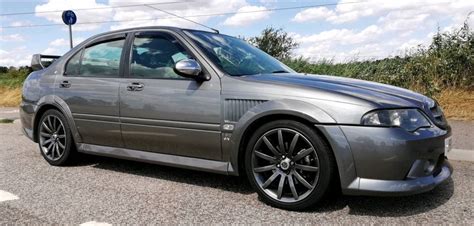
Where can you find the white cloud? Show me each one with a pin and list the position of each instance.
(348, 11)
(62, 42)
(311, 14)
(83, 16)
(146, 16)
(342, 36)
(12, 38)
(21, 23)
(398, 27)
(19, 56)
(242, 19)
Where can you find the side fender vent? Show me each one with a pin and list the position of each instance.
(236, 108)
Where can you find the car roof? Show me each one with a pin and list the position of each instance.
(171, 28)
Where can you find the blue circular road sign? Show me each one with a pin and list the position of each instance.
(69, 17)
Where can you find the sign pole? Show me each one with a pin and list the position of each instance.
(69, 18)
(70, 35)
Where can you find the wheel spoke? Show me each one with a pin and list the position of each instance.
(61, 145)
(292, 186)
(270, 146)
(52, 150)
(264, 156)
(303, 153)
(47, 141)
(50, 124)
(47, 128)
(280, 185)
(49, 147)
(45, 134)
(264, 168)
(307, 168)
(270, 180)
(281, 144)
(293, 144)
(57, 150)
(61, 136)
(302, 180)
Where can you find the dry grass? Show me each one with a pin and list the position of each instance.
(10, 97)
(456, 103)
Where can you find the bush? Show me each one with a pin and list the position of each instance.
(448, 62)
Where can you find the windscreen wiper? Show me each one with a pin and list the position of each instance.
(280, 71)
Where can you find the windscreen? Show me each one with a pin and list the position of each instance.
(235, 56)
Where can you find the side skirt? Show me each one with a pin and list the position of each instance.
(157, 158)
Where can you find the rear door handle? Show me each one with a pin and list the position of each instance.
(135, 86)
(64, 84)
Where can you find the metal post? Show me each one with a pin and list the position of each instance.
(70, 35)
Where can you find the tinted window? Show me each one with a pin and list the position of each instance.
(155, 56)
(102, 60)
(72, 67)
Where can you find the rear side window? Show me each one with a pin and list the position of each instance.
(74, 64)
(155, 56)
(102, 60)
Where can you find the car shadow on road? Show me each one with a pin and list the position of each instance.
(193, 177)
(358, 205)
(390, 206)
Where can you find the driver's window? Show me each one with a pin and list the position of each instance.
(155, 56)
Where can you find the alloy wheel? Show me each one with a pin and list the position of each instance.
(52, 137)
(285, 165)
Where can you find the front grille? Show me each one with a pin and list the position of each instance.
(438, 116)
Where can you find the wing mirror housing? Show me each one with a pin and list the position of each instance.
(190, 68)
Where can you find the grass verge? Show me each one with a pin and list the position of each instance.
(10, 97)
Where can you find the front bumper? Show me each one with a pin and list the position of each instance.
(389, 161)
(376, 187)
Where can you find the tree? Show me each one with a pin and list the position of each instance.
(275, 42)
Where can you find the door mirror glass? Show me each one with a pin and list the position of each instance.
(188, 68)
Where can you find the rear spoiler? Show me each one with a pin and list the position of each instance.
(40, 61)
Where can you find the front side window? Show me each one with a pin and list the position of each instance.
(102, 60)
(235, 56)
(154, 56)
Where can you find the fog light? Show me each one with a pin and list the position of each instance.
(429, 166)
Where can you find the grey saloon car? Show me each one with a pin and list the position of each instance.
(211, 102)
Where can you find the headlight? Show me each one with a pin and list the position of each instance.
(409, 119)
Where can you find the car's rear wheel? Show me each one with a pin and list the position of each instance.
(55, 140)
(289, 165)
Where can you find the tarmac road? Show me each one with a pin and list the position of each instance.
(123, 192)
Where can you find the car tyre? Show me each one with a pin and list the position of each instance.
(294, 178)
(55, 139)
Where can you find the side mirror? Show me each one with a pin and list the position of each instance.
(188, 68)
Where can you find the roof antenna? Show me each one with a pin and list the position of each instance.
(215, 30)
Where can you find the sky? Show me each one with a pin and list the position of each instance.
(342, 30)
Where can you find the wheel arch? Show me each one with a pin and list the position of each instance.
(53, 102)
(297, 110)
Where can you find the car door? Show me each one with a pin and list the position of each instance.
(90, 87)
(163, 112)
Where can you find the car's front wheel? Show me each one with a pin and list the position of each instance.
(289, 165)
(55, 139)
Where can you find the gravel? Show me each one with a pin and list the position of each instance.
(125, 192)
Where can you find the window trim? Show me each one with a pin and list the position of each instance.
(131, 38)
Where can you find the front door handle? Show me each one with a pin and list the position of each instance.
(65, 84)
(135, 86)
